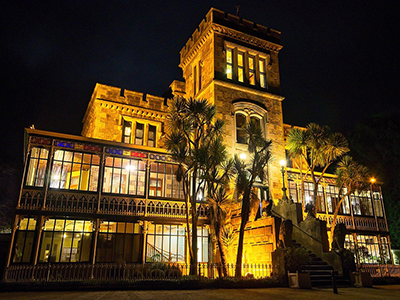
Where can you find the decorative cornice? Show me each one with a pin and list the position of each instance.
(134, 111)
(246, 38)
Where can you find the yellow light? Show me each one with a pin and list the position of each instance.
(373, 180)
(282, 163)
(130, 168)
(56, 177)
(242, 156)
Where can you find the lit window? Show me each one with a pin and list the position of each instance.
(378, 204)
(37, 167)
(263, 74)
(165, 243)
(144, 134)
(124, 176)
(151, 139)
(252, 71)
(66, 241)
(75, 171)
(127, 132)
(202, 244)
(24, 240)
(229, 63)
(163, 183)
(139, 134)
(246, 66)
(241, 66)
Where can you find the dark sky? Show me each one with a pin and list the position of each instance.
(339, 62)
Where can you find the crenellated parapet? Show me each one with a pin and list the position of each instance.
(232, 27)
(109, 106)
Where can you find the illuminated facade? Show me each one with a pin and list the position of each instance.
(110, 195)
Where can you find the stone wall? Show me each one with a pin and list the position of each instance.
(259, 241)
(108, 107)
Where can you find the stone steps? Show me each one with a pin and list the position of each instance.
(321, 272)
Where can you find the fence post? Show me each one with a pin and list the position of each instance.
(48, 272)
(199, 271)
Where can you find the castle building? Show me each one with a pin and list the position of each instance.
(110, 195)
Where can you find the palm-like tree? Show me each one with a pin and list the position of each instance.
(247, 174)
(315, 147)
(351, 176)
(192, 130)
(297, 149)
(220, 205)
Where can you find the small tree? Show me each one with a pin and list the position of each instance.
(192, 129)
(247, 174)
(351, 176)
(316, 147)
(220, 204)
(217, 174)
(297, 149)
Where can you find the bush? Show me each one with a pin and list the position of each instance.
(295, 257)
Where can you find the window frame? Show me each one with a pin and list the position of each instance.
(145, 130)
(256, 76)
(37, 167)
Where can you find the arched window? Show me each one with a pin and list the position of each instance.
(248, 112)
(256, 121)
(240, 128)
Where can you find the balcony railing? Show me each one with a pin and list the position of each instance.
(122, 272)
(361, 223)
(63, 201)
(379, 270)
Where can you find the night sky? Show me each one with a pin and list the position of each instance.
(339, 62)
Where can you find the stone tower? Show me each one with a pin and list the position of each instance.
(234, 64)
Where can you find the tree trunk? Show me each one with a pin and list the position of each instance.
(221, 250)
(193, 260)
(244, 219)
(188, 228)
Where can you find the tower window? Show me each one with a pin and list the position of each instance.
(252, 71)
(240, 129)
(263, 74)
(241, 66)
(246, 66)
(229, 63)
